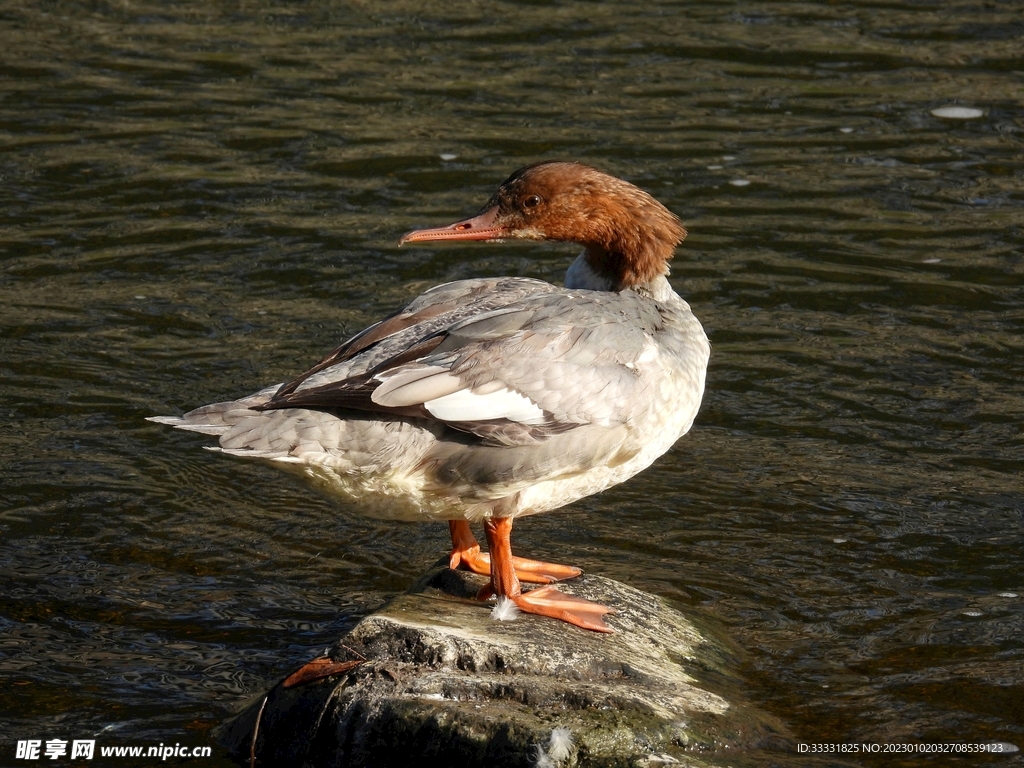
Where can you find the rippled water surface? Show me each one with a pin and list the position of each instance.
(197, 199)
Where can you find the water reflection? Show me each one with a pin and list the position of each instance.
(199, 199)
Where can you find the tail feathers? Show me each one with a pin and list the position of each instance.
(218, 418)
(251, 453)
(173, 421)
(179, 422)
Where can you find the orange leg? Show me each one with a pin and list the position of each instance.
(466, 549)
(466, 552)
(544, 601)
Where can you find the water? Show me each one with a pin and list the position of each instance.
(200, 199)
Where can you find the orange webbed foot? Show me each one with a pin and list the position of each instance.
(548, 601)
(530, 571)
(544, 601)
(541, 572)
(470, 559)
(466, 553)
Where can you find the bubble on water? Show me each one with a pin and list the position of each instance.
(448, 156)
(740, 182)
(973, 613)
(846, 129)
(1007, 594)
(958, 113)
(714, 167)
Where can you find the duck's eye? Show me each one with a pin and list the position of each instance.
(532, 201)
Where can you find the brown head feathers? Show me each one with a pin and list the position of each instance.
(629, 236)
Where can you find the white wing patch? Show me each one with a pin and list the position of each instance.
(414, 385)
(466, 405)
(446, 397)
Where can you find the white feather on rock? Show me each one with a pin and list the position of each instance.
(560, 745)
(505, 610)
(541, 758)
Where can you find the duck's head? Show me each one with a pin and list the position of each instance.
(628, 235)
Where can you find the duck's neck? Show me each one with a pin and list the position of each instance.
(582, 275)
(598, 268)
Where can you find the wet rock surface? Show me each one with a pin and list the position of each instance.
(434, 679)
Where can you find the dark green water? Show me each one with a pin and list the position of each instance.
(200, 199)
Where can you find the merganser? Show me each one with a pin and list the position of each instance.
(496, 398)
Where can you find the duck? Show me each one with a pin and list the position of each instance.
(486, 400)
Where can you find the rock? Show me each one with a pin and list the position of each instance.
(440, 682)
